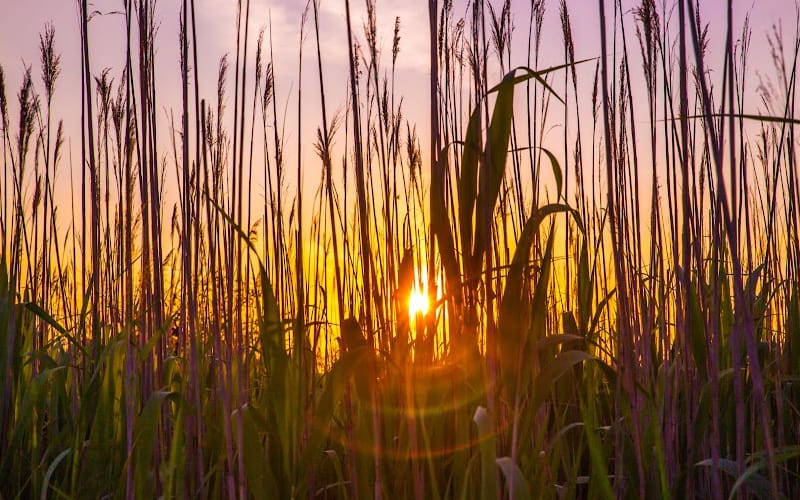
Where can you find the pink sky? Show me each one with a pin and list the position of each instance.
(22, 21)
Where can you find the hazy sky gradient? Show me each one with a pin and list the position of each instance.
(22, 21)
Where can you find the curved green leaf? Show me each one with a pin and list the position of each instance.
(552, 371)
(515, 481)
(51, 469)
(556, 170)
(468, 182)
(338, 378)
(514, 328)
(488, 453)
(145, 431)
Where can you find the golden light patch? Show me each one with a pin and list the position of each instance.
(418, 303)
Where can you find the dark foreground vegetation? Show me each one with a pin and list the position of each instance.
(615, 302)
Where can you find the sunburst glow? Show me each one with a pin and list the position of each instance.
(417, 303)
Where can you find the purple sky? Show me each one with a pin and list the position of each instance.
(22, 21)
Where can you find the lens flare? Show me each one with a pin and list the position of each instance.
(417, 303)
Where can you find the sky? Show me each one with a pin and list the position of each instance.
(22, 21)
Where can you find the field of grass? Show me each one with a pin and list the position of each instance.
(606, 270)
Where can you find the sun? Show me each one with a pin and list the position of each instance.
(417, 303)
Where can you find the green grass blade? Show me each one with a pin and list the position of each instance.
(440, 222)
(697, 332)
(553, 370)
(585, 289)
(499, 135)
(145, 438)
(599, 481)
(756, 483)
(518, 488)
(488, 452)
(529, 74)
(45, 316)
(343, 371)
(513, 327)
(793, 329)
(468, 182)
(51, 470)
(557, 175)
(260, 480)
(337, 466)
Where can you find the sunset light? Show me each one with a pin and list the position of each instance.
(418, 303)
(356, 249)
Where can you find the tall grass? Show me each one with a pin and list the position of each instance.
(614, 309)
